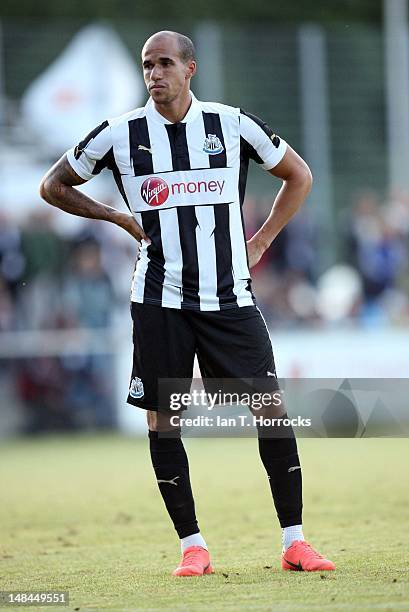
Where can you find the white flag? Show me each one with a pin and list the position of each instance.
(94, 78)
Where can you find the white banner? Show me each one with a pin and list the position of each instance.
(93, 79)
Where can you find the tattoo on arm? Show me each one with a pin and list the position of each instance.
(58, 188)
(64, 173)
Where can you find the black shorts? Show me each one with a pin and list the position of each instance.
(229, 344)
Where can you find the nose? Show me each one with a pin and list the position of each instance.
(156, 73)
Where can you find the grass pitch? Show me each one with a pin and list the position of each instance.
(83, 514)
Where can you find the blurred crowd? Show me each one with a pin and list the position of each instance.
(61, 279)
(54, 279)
(367, 286)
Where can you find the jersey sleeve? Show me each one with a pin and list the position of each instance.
(260, 142)
(92, 154)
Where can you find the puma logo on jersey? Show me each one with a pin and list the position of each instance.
(171, 481)
(143, 148)
(295, 467)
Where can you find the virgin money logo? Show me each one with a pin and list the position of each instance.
(154, 191)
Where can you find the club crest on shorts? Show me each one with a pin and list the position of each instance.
(136, 389)
(212, 145)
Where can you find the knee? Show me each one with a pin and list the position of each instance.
(152, 420)
(161, 422)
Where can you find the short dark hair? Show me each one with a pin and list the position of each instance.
(187, 49)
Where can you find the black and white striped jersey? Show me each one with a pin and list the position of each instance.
(184, 183)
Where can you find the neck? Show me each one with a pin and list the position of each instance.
(176, 110)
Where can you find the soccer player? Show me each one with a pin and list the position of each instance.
(181, 167)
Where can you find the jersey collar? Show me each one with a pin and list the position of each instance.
(188, 118)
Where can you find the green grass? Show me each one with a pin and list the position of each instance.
(83, 514)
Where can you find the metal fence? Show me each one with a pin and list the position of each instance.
(264, 70)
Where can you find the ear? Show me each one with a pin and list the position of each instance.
(190, 69)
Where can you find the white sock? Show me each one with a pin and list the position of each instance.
(290, 534)
(196, 539)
